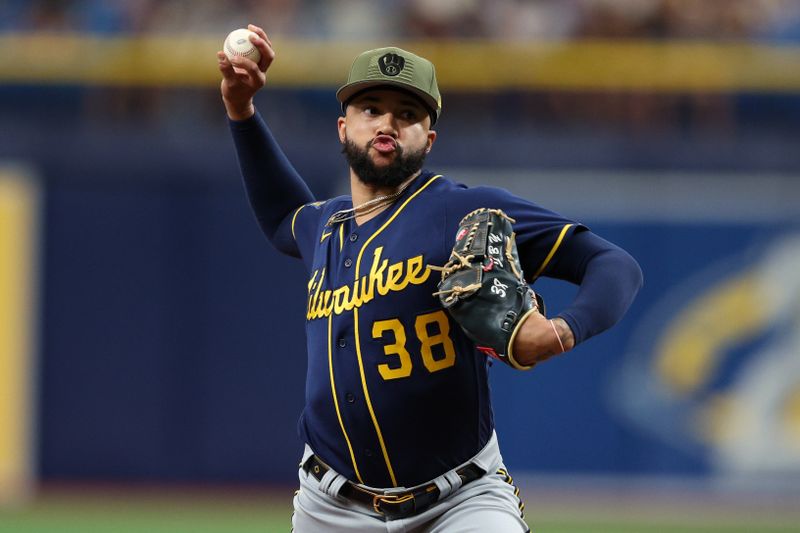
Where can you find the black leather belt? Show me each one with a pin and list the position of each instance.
(394, 505)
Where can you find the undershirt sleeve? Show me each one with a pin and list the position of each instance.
(608, 279)
(274, 188)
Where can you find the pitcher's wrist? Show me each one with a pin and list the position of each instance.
(239, 112)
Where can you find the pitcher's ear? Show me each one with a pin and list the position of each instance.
(431, 140)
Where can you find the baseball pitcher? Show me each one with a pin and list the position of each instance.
(415, 284)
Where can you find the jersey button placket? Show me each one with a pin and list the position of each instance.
(348, 262)
(353, 237)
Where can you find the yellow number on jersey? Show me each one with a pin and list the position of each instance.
(429, 341)
(426, 339)
(397, 348)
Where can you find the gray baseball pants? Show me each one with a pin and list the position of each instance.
(490, 503)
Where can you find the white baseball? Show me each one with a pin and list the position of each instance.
(237, 43)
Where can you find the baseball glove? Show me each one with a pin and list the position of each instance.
(482, 284)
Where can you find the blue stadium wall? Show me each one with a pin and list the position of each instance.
(172, 344)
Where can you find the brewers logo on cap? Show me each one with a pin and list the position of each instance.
(391, 64)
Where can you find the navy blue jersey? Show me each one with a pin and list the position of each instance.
(396, 394)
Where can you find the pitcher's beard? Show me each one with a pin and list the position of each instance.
(387, 176)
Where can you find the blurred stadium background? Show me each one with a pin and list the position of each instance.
(151, 344)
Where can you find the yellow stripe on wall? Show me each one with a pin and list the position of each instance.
(696, 339)
(189, 60)
(18, 246)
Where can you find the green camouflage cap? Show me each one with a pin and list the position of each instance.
(396, 68)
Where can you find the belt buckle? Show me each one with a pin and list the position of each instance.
(390, 499)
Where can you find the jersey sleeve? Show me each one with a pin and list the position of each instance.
(540, 232)
(302, 227)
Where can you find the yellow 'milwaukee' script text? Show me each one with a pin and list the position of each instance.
(382, 279)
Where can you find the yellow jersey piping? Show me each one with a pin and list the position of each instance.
(294, 217)
(553, 250)
(336, 402)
